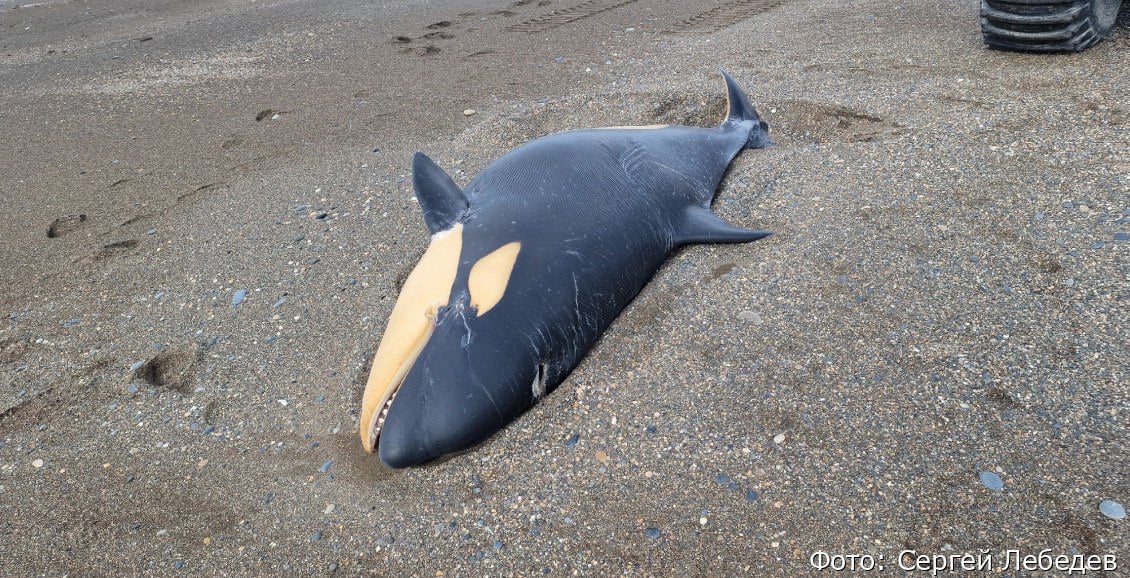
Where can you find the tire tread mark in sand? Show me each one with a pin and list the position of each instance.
(564, 16)
(723, 16)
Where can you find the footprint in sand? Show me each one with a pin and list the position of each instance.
(422, 50)
(173, 369)
(111, 250)
(65, 225)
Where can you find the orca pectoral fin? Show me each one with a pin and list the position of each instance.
(701, 225)
(442, 201)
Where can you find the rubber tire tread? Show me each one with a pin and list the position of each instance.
(1046, 25)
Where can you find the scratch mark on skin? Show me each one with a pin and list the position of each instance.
(576, 298)
(479, 384)
(467, 339)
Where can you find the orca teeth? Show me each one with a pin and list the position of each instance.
(383, 415)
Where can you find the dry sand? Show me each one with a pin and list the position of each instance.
(946, 297)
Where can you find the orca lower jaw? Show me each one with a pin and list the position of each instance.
(393, 361)
(378, 420)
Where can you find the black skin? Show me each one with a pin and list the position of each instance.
(597, 212)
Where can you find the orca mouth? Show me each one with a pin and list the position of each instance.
(383, 384)
(375, 430)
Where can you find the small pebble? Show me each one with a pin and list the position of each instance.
(652, 533)
(1122, 236)
(315, 536)
(779, 439)
(136, 365)
(992, 481)
(37, 463)
(469, 112)
(238, 297)
(498, 545)
(750, 317)
(179, 564)
(326, 466)
(151, 232)
(572, 441)
(1112, 509)
(751, 496)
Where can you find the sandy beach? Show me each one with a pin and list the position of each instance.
(208, 212)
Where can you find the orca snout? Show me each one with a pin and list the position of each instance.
(404, 449)
(468, 382)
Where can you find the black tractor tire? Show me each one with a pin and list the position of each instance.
(1046, 25)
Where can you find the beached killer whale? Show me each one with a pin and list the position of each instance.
(530, 264)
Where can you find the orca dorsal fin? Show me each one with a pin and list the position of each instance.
(442, 201)
(739, 107)
(701, 225)
(741, 111)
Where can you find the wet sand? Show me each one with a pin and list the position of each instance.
(946, 295)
